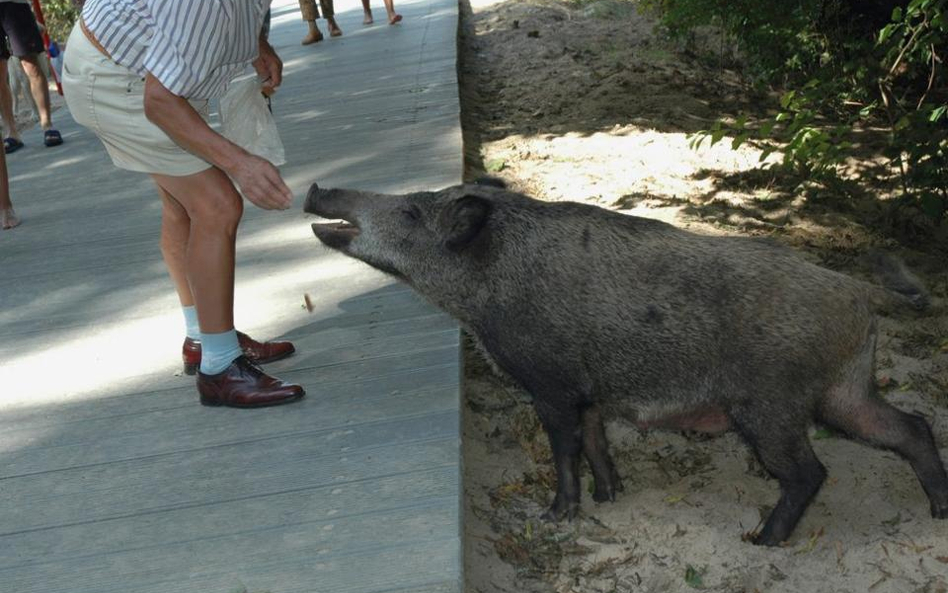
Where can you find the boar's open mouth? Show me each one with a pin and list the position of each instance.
(336, 235)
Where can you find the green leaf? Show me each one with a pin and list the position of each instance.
(937, 113)
(886, 32)
(897, 14)
(894, 521)
(496, 165)
(716, 136)
(786, 99)
(736, 143)
(693, 577)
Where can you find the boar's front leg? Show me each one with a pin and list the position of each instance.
(596, 451)
(562, 424)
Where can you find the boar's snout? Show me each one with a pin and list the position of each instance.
(328, 203)
(332, 203)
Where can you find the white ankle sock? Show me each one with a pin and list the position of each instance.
(191, 327)
(218, 351)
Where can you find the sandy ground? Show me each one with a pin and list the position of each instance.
(583, 101)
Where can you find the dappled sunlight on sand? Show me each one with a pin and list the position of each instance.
(629, 161)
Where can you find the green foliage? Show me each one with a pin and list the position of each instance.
(777, 34)
(694, 577)
(843, 65)
(60, 16)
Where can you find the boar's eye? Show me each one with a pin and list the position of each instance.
(412, 213)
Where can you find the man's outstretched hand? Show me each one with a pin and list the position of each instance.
(261, 183)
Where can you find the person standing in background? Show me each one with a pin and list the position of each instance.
(310, 13)
(8, 218)
(18, 28)
(393, 17)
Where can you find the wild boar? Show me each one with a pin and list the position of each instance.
(598, 313)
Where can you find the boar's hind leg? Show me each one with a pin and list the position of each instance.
(561, 422)
(785, 452)
(596, 451)
(851, 407)
(909, 435)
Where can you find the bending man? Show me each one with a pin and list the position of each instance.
(139, 73)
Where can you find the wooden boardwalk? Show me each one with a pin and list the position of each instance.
(114, 479)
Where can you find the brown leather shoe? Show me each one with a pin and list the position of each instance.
(257, 352)
(244, 385)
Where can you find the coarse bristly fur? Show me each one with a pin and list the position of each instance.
(599, 314)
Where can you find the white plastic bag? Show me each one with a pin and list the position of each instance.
(247, 122)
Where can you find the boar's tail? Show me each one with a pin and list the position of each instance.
(902, 287)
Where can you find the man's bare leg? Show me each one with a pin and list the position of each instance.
(175, 233)
(393, 17)
(8, 218)
(6, 102)
(213, 208)
(329, 14)
(39, 88)
(314, 35)
(367, 12)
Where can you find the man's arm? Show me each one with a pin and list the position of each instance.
(259, 180)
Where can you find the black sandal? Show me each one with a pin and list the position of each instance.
(11, 144)
(52, 138)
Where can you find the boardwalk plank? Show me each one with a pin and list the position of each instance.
(129, 488)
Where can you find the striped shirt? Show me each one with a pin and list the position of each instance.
(193, 47)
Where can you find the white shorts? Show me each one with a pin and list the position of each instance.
(108, 99)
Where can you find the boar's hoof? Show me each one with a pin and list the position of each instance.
(765, 539)
(607, 493)
(604, 495)
(558, 512)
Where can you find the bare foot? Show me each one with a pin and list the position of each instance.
(8, 219)
(314, 36)
(334, 30)
(368, 18)
(394, 19)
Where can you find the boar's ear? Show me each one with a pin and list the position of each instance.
(463, 220)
